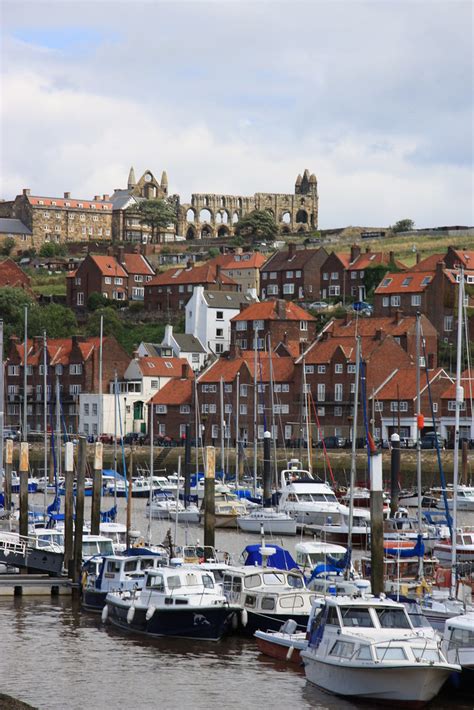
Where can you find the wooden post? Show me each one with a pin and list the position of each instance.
(129, 498)
(69, 508)
(96, 488)
(8, 473)
(78, 528)
(376, 523)
(187, 465)
(267, 470)
(209, 499)
(394, 473)
(24, 470)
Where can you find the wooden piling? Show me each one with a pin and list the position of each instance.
(96, 488)
(80, 479)
(24, 471)
(267, 470)
(376, 523)
(394, 473)
(209, 499)
(8, 473)
(69, 507)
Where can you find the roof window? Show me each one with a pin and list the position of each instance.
(386, 282)
(407, 281)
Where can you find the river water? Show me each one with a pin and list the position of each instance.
(55, 656)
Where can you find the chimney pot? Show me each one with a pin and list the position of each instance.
(121, 254)
(355, 252)
(189, 264)
(106, 197)
(96, 198)
(67, 195)
(379, 334)
(418, 257)
(26, 191)
(184, 371)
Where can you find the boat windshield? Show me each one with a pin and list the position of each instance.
(461, 638)
(356, 616)
(106, 547)
(390, 653)
(273, 578)
(295, 581)
(393, 618)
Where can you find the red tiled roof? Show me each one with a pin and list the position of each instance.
(281, 260)
(416, 282)
(162, 366)
(344, 258)
(402, 385)
(108, 265)
(281, 368)
(467, 382)
(374, 258)
(175, 392)
(95, 205)
(11, 275)
(428, 263)
(137, 264)
(204, 274)
(452, 274)
(466, 257)
(247, 260)
(339, 328)
(59, 350)
(268, 310)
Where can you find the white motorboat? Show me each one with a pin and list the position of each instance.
(117, 532)
(228, 509)
(458, 641)
(325, 563)
(305, 498)
(140, 487)
(311, 554)
(272, 521)
(409, 499)
(402, 528)
(182, 602)
(464, 498)
(337, 531)
(164, 507)
(438, 608)
(368, 648)
(284, 644)
(464, 547)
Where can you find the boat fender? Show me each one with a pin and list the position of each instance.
(84, 579)
(149, 612)
(105, 614)
(290, 653)
(130, 614)
(244, 617)
(235, 621)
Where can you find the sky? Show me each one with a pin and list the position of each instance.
(235, 97)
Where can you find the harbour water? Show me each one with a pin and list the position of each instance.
(55, 656)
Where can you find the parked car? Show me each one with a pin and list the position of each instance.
(318, 305)
(11, 434)
(363, 308)
(332, 442)
(428, 441)
(462, 439)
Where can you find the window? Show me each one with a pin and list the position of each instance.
(214, 431)
(161, 408)
(258, 324)
(75, 389)
(80, 298)
(303, 325)
(86, 428)
(285, 387)
(392, 618)
(75, 369)
(448, 323)
(385, 302)
(14, 370)
(243, 390)
(395, 300)
(342, 649)
(77, 281)
(219, 315)
(289, 274)
(321, 369)
(338, 368)
(272, 290)
(404, 406)
(228, 408)
(309, 369)
(241, 325)
(209, 388)
(334, 290)
(86, 410)
(353, 388)
(264, 276)
(321, 392)
(184, 409)
(227, 388)
(288, 288)
(338, 411)
(219, 348)
(118, 281)
(325, 276)
(338, 392)
(416, 300)
(353, 275)
(219, 333)
(273, 274)
(394, 406)
(212, 408)
(355, 616)
(242, 343)
(243, 409)
(108, 280)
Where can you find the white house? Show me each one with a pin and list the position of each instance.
(154, 372)
(185, 345)
(131, 414)
(208, 316)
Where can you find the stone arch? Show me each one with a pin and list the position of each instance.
(302, 201)
(285, 230)
(239, 203)
(223, 231)
(206, 232)
(302, 217)
(222, 202)
(235, 218)
(218, 218)
(191, 233)
(190, 215)
(205, 215)
(285, 217)
(206, 201)
(302, 229)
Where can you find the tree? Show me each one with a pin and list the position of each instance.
(112, 323)
(50, 249)
(58, 321)
(403, 225)
(257, 224)
(12, 308)
(157, 214)
(97, 300)
(7, 247)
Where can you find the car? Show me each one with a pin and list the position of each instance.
(318, 305)
(363, 308)
(428, 441)
(332, 442)
(11, 434)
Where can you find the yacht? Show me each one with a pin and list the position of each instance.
(368, 648)
(464, 547)
(117, 532)
(271, 520)
(181, 602)
(458, 644)
(464, 498)
(307, 499)
(337, 531)
(165, 507)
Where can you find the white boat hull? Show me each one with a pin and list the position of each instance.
(411, 684)
(270, 526)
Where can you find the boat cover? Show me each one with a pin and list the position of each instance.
(281, 559)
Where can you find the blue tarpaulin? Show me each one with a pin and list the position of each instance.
(281, 559)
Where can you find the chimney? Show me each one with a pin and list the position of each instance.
(302, 345)
(121, 254)
(291, 250)
(379, 334)
(347, 318)
(184, 371)
(218, 271)
(110, 251)
(67, 195)
(355, 252)
(26, 191)
(418, 257)
(106, 197)
(285, 338)
(325, 335)
(168, 334)
(189, 264)
(391, 257)
(368, 250)
(440, 266)
(281, 309)
(96, 198)
(398, 316)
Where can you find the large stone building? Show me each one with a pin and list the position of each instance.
(60, 219)
(211, 215)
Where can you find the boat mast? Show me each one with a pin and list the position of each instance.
(197, 428)
(25, 378)
(221, 398)
(45, 420)
(99, 407)
(306, 418)
(58, 425)
(274, 428)
(418, 434)
(353, 453)
(237, 432)
(150, 499)
(2, 406)
(115, 438)
(459, 400)
(255, 363)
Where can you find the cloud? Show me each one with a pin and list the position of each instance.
(240, 97)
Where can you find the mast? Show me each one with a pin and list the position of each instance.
(418, 433)
(115, 438)
(197, 431)
(237, 432)
(58, 425)
(272, 399)
(306, 417)
(459, 400)
(2, 405)
(255, 363)
(25, 379)
(353, 451)
(45, 419)
(221, 396)
(99, 407)
(150, 499)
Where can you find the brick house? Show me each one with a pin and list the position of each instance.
(343, 274)
(329, 370)
(279, 319)
(401, 327)
(395, 402)
(139, 271)
(172, 408)
(73, 361)
(292, 275)
(243, 268)
(61, 219)
(13, 276)
(96, 274)
(169, 291)
(448, 409)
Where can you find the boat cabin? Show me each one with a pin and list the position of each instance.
(311, 554)
(96, 545)
(267, 589)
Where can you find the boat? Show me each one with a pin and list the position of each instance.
(272, 521)
(165, 507)
(439, 608)
(368, 648)
(180, 602)
(402, 528)
(464, 498)
(101, 575)
(458, 645)
(140, 487)
(409, 499)
(284, 644)
(15, 485)
(307, 499)
(337, 531)
(227, 511)
(311, 554)
(464, 547)
(117, 532)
